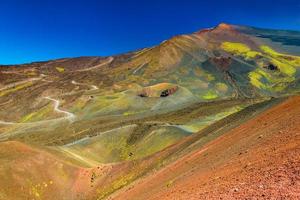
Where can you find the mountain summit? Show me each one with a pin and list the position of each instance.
(224, 62)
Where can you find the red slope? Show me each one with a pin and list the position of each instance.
(259, 159)
(32, 173)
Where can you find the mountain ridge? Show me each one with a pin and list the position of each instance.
(224, 24)
(85, 128)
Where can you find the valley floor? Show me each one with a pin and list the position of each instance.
(256, 160)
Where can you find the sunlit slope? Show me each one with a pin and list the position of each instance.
(217, 63)
(132, 113)
(79, 96)
(30, 173)
(62, 101)
(126, 143)
(221, 63)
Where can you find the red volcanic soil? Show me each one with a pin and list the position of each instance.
(222, 62)
(259, 159)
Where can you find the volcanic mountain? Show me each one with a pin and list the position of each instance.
(94, 127)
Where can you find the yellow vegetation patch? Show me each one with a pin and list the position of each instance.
(209, 77)
(210, 95)
(235, 47)
(31, 73)
(116, 184)
(272, 82)
(268, 50)
(255, 79)
(252, 54)
(16, 88)
(37, 190)
(239, 49)
(287, 64)
(169, 183)
(131, 113)
(284, 67)
(221, 87)
(60, 69)
(37, 115)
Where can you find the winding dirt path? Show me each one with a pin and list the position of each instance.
(69, 115)
(94, 87)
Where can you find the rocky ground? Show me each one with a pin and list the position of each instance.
(256, 160)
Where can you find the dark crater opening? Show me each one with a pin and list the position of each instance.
(271, 67)
(168, 92)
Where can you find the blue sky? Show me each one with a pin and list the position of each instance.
(36, 30)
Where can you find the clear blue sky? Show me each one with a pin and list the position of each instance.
(34, 30)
